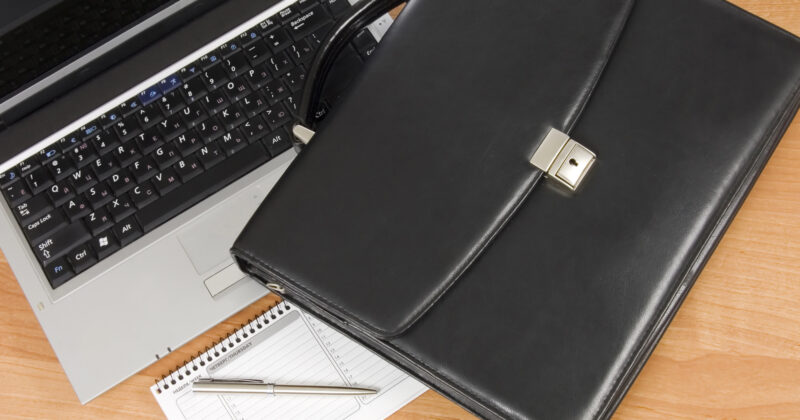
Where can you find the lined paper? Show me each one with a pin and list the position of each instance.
(291, 347)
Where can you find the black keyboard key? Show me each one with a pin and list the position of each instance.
(295, 79)
(292, 105)
(308, 22)
(105, 244)
(120, 207)
(61, 167)
(83, 154)
(81, 258)
(254, 129)
(233, 142)
(248, 37)
(236, 65)
(68, 142)
(268, 25)
(280, 64)
(43, 226)
(27, 166)
(316, 38)
(257, 52)
(194, 89)
(127, 231)
(121, 182)
(90, 129)
(166, 155)
(149, 95)
(209, 60)
(302, 52)
(337, 7)
(365, 43)
(287, 14)
(188, 168)
(127, 128)
(61, 192)
(201, 187)
(58, 273)
(210, 155)
(32, 209)
(59, 242)
(127, 153)
(188, 143)
(39, 180)
(258, 76)
(189, 72)
(104, 166)
(215, 101)
(83, 179)
(276, 116)
(231, 117)
(275, 91)
(9, 177)
(98, 221)
(143, 169)
(193, 114)
(104, 141)
(229, 48)
(169, 83)
(16, 193)
(149, 116)
(76, 208)
(99, 195)
(48, 153)
(210, 130)
(277, 142)
(171, 127)
(149, 140)
(237, 89)
(253, 104)
(171, 103)
(278, 40)
(143, 194)
(215, 77)
(130, 106)
(110, 118)
(166, 181)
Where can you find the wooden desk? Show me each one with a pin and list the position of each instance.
(733, 350)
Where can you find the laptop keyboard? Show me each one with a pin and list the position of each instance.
(148, 159)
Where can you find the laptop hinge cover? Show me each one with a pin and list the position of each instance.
(563, 159)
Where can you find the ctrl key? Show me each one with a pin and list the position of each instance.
(81, 258)
(58, 272)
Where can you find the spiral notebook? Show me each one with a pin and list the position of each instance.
(284, 345)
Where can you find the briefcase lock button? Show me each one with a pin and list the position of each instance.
(563, 159)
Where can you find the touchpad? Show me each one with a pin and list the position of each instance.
(208, 239)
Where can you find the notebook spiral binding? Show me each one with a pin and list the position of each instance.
(220, 347)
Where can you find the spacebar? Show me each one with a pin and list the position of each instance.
(202, 186)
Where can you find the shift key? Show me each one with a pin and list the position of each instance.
(60, 242)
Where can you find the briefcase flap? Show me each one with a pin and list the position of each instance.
(428, 157)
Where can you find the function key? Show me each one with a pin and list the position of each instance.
(110, 118)
(9, 177)
(90, 129)
(149, 95)
(169, 83)
(268, 25)
(248, 37)
(68, 142)
(130, 106)
(58, 272)
(229, 48)
(27, 166)
(48, 153)
(189, 72)
(209, 60)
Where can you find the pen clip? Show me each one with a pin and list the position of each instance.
(229, 381)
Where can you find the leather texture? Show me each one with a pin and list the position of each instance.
(560, 311)
(428, 191)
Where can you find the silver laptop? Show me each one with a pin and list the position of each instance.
(136, 139)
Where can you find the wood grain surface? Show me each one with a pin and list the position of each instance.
(732, 352)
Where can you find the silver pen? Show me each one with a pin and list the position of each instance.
(257, 386)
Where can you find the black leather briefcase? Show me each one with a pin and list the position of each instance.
(516, 197)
